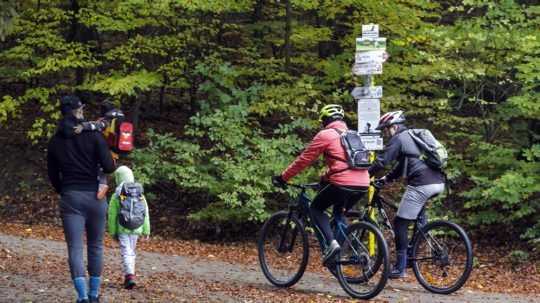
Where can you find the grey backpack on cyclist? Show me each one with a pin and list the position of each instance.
(357, 154)
(132, 206)
(432, 152)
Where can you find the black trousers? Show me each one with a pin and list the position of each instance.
(341, 197)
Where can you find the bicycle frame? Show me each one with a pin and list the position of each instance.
(377, 203)
(301, 205)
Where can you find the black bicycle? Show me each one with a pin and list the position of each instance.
(283, 248)
(439, 252)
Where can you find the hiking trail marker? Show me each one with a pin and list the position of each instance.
(368, 61)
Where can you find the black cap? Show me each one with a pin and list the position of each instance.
(69, 103)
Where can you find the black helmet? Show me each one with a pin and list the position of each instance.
(69, 103)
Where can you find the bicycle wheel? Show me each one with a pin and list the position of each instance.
(355, 266)
(283, 249)
(442, 257)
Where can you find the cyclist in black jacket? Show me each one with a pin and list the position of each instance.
(72, 164)
(423, 182)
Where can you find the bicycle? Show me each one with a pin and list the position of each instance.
(283, 249)
(437, 247)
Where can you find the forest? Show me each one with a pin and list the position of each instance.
(224, 94)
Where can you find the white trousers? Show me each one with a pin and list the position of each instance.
(128, 244)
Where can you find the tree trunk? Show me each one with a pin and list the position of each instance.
(137, 111)
(161, 96)
(257, 11)
(75, 35)
(288, 18)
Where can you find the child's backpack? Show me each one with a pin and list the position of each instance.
(119, 133)
(357, 154)
(432, 152)
(132, 206)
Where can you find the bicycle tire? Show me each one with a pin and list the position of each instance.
(345, 280)
(298, 230)
(420, 237)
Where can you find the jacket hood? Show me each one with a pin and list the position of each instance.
(336, 124)
(123, 174)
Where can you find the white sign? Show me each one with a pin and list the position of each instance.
(369, 44)
(365, 92)
(370, 30)
(369, 56)
(372, 141)
(370, 68)
(369, 112)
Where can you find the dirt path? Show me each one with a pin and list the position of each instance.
(34, 270)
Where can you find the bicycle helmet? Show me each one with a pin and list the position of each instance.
(334, 111)
(391, 118)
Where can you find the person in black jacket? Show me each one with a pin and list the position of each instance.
(72, 163)
(423, 182)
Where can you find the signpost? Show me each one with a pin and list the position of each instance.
(368, 61)
(369, 58)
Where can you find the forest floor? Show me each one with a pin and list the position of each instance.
(33, 268)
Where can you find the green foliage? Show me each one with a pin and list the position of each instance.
(227, 157)
(518, 257)
(228, 113)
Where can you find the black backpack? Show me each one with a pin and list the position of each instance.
(357, 154)
(132, 206)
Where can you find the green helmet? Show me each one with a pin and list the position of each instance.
(332, 111)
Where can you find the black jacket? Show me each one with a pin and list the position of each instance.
(402, 149)
(73, 160)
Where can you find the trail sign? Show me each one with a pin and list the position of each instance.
(370, 56)
(370, 68)
(370, 31)
(368, 61)
(370, 44)
(372, 92)
(369, 112)
(372, 141)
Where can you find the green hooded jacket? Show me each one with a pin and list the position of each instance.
(121, 175)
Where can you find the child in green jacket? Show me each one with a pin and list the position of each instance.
(126, 237)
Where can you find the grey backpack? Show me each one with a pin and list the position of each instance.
(357, 154)
(132, 206)
(432, 152)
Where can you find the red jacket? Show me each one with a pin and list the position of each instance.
(328, 142)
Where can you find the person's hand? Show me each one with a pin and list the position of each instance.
(78, 129)
(279, 182)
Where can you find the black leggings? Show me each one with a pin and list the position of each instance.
(401, 228)
(341, 197)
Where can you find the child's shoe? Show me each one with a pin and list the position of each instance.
(102, 191)
(129, 282)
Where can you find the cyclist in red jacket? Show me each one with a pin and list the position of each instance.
(340, 186)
